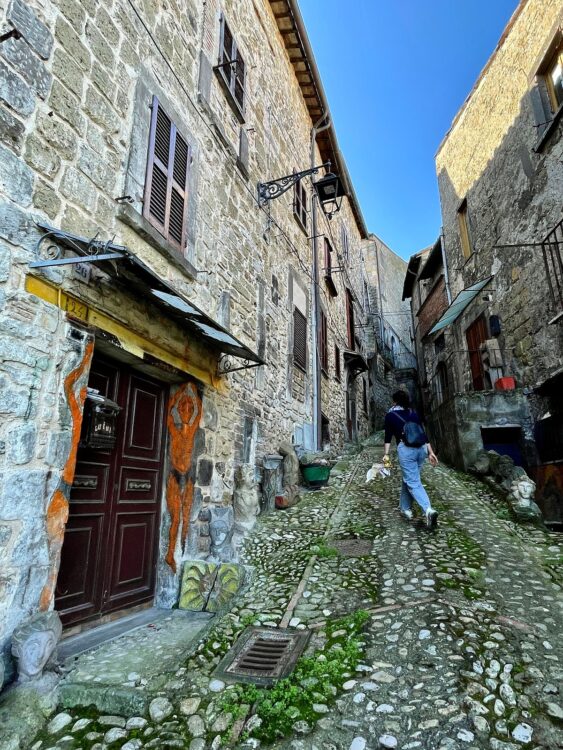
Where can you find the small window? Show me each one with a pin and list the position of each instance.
(323, 343)
(299, 339)
(166, 187)
(332, 290)
(553, 77)
(300, 203)
(439, 344)
(231, 68)
(465, 236)
(345, 244)
(337, 374)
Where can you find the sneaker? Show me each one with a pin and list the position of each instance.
(407, 514)
(431, 518)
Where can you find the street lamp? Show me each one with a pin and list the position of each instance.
(330, 191)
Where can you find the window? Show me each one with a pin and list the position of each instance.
(553, 77)
(365, 396)
(464, 234)
(441, 383)
(332, 290)
(476, 335)
(337, 374)
(439, 344)
(166, 187)
(300, 204)
(345, 244)
(299, 339)
(231, 69)
(350, 319)
(323, 343)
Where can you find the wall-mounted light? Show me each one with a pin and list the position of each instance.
(330, 191)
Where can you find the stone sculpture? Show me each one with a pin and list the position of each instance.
(34, 642)
(521, 497)
(290, 465)
(246, 503)
(221, 529)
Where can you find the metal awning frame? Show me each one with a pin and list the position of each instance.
(460, 303)
(159, 292)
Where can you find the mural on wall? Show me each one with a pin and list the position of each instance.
(57, 510)
(184, 416)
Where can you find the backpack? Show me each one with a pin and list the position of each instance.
(413, 434)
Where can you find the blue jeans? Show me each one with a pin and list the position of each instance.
(410, 461)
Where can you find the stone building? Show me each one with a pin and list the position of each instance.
(160, 325)
(487, 296)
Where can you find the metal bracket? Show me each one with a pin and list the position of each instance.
(268, 191)
(87, 250)
(225, 365)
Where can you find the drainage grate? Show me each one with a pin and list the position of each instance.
(353, 547)
(263, 655)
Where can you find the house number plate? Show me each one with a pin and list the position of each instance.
(140, 485)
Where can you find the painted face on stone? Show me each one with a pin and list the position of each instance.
(34, 654)
(219, 532)
(525, 489)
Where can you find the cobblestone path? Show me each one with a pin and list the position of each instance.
(462, 647)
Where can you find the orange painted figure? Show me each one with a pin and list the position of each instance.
(57, 511)
(184, 414)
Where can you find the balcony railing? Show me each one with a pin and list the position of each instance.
(552, 248)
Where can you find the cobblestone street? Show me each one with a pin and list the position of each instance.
(461, 649)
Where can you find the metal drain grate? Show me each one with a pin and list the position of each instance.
(263, 655)
(353, 547)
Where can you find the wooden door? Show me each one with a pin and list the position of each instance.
(476, 334)
(108, 560)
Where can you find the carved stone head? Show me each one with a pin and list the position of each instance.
(34, 642)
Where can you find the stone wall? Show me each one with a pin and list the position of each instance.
(77, 81)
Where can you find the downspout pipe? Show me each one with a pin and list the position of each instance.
(445, 264)
(317, 128)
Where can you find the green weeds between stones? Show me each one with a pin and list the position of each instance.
(315, 680)
(321, 549)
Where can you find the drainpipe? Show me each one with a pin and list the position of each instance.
(381, 330)
(445, 264)
(315, 296)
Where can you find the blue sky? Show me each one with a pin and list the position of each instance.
(395, 73)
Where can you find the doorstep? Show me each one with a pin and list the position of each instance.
(118, 667)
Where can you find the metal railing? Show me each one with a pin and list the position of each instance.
(552, 249)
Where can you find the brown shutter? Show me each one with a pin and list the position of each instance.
(323, 343)
(166, 194)
(240, 73)
(350, 320)
(299, 339)
(336, 362)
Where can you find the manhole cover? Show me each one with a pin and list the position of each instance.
(353, 547)
(263, 655)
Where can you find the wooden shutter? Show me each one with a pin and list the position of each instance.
(300, 203)
(166, 187)
(299, 339)
(233, 74)
(350, 320)
(476, 335)
(323, 343)
(239, 79)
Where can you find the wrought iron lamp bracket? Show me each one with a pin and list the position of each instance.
(87, 250)
(226, 365)
(268, 191)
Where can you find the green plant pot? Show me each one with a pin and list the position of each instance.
(316, 475)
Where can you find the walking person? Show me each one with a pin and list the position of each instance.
(413, 448)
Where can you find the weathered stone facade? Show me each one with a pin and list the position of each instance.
(79, 84)
(500, 181)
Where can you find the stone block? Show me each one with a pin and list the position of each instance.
(106, 26)
(197, 581)
(70, 40)
(31, 69)
(58, 448)
(101, 111)
(99, 47)
(37, 35)
(14, 402)
(67, 106)
(15, 92)
(5, 262)
(209, 413)
(59, 135)
(11, 130)
(23, 494)
(20, 442)
(78, 188)
(40, 157)
(96, 167)
(45, 198)
(204, 472)
(16, 178)
(229, 580)
(73, 11)
(67, 71)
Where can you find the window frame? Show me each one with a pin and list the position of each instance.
(323, 342)
(169, 172)
(345, 243)
(350, 327)
(555, 59)
(327, 271)
(300, 208)
(298, 361)
(227, 70)
(465, 238)
(337, 369)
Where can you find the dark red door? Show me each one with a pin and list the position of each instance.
(476, 334)
(108, 560)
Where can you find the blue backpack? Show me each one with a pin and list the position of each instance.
(413, 434)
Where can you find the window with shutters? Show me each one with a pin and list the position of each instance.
(300, 204)
(323, 343)
(299, 339)
(546, 96)
(553, 77)
(231, 70)
(350, 320)
(329, 281)
(345, 244)
(464, 233)
(337, 374)
(166, 187)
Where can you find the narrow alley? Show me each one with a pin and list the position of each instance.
(460, 647)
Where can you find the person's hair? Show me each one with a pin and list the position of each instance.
(402, 399)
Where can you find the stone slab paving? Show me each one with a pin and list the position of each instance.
(461, 649)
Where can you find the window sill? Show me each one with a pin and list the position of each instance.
(546, 135)
(128, 215)
(324, 372)
(239, 114)
(299, 367)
